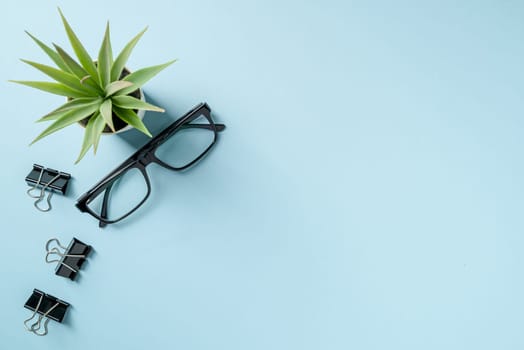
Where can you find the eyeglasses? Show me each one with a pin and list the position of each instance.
(179, 146)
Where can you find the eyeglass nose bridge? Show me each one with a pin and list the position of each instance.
(146, 159)
(147, 156)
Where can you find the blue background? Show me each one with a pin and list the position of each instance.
(367, 193)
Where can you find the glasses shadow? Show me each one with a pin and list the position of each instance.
(156, 123)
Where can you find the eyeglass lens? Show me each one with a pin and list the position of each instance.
(187, 144)
(121, 196)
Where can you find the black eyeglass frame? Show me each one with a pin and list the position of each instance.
(145, 156)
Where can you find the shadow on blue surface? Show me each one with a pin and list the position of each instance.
(86, 266)
(155, 122)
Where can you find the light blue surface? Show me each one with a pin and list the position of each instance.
(367, 193)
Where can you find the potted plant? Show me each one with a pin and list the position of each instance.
(103, 95)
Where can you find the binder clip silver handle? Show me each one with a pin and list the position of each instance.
(46, 179)
(31, 189)
(49, 207)
(36, 326)
(61, 254)
(42, 194)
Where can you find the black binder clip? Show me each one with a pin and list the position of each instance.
(46, 179)
(47, 307)
(70, 259)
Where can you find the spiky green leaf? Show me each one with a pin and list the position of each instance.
(81, 52)
(132, 119)
(142, 76)
(78, 70)
(106, 110)
(54, 115)
(67, 119)
(60, 76)
(88, 136)
(73, 104)
(117, 86)
(73, 66)
(98, 128)
(104, 59)
(121, 59)
(53, 88)
(129, 102)
(55, 57)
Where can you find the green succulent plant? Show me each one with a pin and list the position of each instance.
(96, 91)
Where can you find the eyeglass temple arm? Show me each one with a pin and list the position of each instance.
(219, 127)
(103, 212)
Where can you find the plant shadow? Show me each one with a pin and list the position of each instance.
(155, 122)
